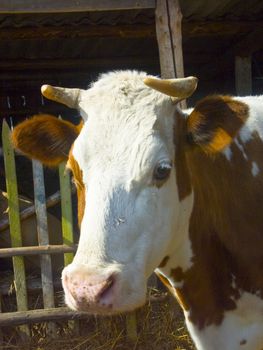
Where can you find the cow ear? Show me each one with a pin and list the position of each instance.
(215, 121)
(45, 138)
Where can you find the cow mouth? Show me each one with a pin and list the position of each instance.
(104, 304)
(103, 292)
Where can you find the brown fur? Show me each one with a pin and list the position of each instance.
(215, 121)
(45, 138)
(164, 261)
(50, 140)
(78, 180)
(226, 224)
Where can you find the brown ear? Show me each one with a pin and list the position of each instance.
(215, 121)
(45, 138)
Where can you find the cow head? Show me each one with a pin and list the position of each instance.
(123, 164)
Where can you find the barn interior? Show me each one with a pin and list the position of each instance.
(62, 44)
(53, 44)
(70, 45)
(46, 43)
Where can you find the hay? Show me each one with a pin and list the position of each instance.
(160, 326)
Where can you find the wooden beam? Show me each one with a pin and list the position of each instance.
(29, 211)
(164, 40)
(78, 32)
(169, 37)
(175, 16)
(78, 63)
(189, 30)
(35, 250)
(51, 6)
(219, 28)
(55, 314)
(39, 316)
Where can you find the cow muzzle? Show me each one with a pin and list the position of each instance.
(89, 290)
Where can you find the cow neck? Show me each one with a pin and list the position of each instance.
(225, 229)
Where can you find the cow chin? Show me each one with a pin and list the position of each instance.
(101, 293)
(119, 308)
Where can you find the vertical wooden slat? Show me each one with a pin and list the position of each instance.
(67, 223)
(164, 39)
(175, 17)
(15, 229)
(1, 333)
(43, 239)
(168, 19)
(66, 210)
(131, 326)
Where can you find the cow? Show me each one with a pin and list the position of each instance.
(161, 189)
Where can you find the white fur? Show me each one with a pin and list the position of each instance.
(241, 148)
(228, 153)
(254, 124)
(255, 120)
(254, 169)
(245, 323)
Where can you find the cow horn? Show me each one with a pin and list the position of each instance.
(178, 89)
(69, 97)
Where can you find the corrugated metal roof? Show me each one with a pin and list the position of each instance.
(77, 19)
(193, 10)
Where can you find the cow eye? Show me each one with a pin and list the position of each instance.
(162, 171)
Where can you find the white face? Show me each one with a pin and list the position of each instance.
(130, 216)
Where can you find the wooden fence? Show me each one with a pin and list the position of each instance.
(22, 285)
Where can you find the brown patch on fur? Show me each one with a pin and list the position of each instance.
(164, 261)
(243, 342)
(225, 230)
(215, 121)
(177, 274)
(46, 138)
(226, 223)
(78, 181)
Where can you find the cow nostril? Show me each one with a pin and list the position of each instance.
(106, 288)
(85, 290)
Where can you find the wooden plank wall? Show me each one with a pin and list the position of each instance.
(15, 229)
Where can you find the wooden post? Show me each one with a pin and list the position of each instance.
(67, 224)
(131, 326)
(66, 211)
(243, 75)
(1, 333)
(43, 239)
(175, 17)
(169, 37)
(30, 211)
(15, 229)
